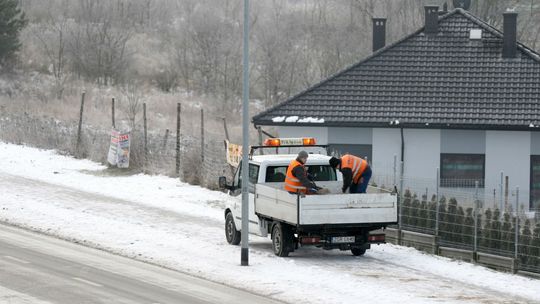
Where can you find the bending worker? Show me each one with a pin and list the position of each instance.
(356, 172)
(296, 180)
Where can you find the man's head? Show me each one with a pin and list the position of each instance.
(302, 156)
(334, 162)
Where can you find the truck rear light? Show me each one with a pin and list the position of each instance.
(310, 240)
(376, 238)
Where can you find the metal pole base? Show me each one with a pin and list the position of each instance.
(245, 257)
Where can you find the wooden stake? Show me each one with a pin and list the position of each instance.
(202, 135)
(79, 131)
(165, 139)
(112, 113)
(178, 110)
(145, 131)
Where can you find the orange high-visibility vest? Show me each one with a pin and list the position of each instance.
(356, 164)
(293, 184)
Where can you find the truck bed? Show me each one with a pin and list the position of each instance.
(272, 202)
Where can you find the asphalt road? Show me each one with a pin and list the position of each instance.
(38, 269)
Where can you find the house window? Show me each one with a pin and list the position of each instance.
(462, 170)
(363, 151)
(535, 182)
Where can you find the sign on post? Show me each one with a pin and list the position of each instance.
(123, 150)
(119, 149)
(234, 154)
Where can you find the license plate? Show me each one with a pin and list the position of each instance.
(343, 239)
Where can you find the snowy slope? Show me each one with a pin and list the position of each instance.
(161, 220)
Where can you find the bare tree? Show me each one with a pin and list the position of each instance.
(52, 36)
(132, 102)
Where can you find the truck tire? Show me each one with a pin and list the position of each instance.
(358, 251)
(282, 240)
(233, 236)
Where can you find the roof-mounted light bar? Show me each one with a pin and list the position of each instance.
(278, 142)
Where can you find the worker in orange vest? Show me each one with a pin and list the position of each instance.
(356, 172)
(296, 180)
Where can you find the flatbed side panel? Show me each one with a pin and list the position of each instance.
(348, 209)
(275, 203)
(361, 200)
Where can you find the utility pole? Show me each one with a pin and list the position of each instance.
(245, 140)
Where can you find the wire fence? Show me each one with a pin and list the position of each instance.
(486, 230)
(157, 156)
(465, 214)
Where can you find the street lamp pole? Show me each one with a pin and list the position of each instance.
(245, 140)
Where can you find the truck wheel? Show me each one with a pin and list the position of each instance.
(282, 240)
(232, 235)
(358, 251)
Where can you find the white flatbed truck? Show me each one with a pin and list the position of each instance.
(330, 221)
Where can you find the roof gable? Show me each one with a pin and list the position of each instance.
(441, 81)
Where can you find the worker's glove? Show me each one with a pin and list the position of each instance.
(313, 190)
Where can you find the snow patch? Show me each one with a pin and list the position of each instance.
(278, 119)
(291, 119)
(311, 120)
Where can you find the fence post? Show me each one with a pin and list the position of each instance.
(400, 200)
(506, 191)
(112, 113)
(79, 131)
(178, 110)
(259, 130)
(395, 170)
(202, 135)
(501, 207)
(145, 134)
(516, 240)
(475, 241)
(437, 205)
(165, 139)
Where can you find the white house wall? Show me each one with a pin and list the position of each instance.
(320, 133)
(386, 145)
(509, 152)
(463, 141)
(422, 157)
(535, 143)
(355, 136)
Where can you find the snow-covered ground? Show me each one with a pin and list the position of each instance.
(161, 220)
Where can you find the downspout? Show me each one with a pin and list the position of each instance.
(402, 162)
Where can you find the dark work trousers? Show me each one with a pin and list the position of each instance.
(362, 187)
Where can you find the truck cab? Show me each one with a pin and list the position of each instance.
(272, 169)
(334, 221)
